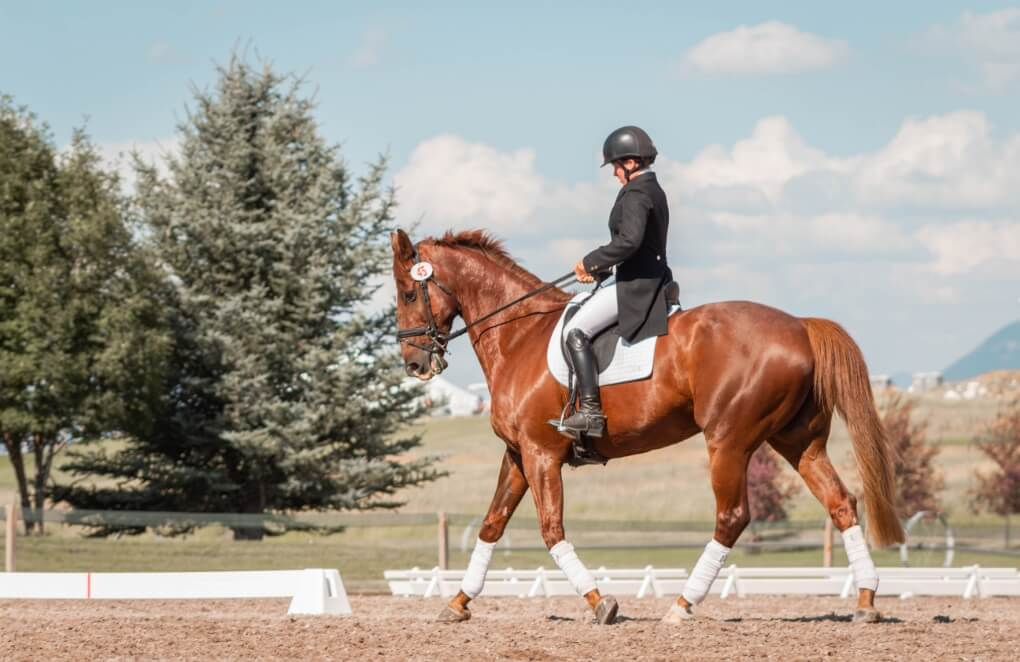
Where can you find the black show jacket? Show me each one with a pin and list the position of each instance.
(638, 224)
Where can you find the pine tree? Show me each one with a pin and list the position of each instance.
(286, 394)
(917, 480)
(81, 342)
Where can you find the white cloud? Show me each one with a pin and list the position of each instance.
(161, 52)
(943, 162)
(990, 42)
(879, 239)
(966, 246)
(772, 156)
(768, 48)
(449, 182)
(117, 156)
(789, 235)
(950, 160)
(456, 183)
(369, 50)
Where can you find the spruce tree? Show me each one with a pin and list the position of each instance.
(81, 341)
(286, 394)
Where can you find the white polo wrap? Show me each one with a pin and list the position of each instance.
(865, 574)
(705, 571)
(474, 577)
(566, 558)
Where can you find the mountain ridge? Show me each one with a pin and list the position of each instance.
(1000, 351)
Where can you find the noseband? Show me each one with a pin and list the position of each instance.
(422, 273)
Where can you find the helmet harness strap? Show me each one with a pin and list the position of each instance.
(629, 172)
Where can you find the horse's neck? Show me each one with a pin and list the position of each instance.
(483, 285)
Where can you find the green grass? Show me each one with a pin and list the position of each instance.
(361, 559)
(666, 485)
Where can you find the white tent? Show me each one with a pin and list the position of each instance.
(447, 399)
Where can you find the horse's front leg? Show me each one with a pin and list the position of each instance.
(543, 471)
(510, 489)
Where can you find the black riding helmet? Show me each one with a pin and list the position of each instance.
(629, 142)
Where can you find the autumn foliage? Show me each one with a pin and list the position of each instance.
(768, 489)
(999, 489)
(917, 481)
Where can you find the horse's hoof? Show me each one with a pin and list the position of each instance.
(605, 610)
(451, 615)
(678, 615)
(867, 615)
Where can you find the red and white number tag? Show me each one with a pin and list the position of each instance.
(421, 271)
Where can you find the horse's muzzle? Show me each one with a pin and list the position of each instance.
(437, 363)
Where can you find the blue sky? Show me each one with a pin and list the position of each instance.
(857, 162)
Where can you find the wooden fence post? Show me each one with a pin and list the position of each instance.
(12, 533)
(827, 544)
(444, 542)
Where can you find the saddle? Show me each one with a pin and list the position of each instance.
(618, 360)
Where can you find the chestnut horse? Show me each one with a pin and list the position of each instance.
(740, 372)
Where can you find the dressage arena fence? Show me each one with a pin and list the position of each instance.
(312, 591)
(459, 530)
(318, 591)
(966, 582)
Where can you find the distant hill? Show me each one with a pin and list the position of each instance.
(999, 352)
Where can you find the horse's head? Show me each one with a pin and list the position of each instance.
(426, 309)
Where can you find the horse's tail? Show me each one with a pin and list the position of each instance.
(841, 381)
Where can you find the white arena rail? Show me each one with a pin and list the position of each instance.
(312, 591)
(966, 582)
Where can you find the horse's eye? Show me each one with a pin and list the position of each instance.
(409, 297)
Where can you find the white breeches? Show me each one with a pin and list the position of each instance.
(598, 312)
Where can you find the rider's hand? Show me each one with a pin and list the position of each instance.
(582, 274)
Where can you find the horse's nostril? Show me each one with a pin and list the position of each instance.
(412, 368)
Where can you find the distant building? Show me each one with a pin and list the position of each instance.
(925, 381)
(972, 390)
(881, 382)
(481, 389)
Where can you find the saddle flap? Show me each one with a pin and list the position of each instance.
(618, 360)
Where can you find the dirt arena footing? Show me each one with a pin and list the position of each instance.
(385, 627)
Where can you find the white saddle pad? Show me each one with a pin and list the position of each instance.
(631, 362)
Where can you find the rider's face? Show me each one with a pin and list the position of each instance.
(620, 169)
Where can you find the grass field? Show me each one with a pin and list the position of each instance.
(670, 484)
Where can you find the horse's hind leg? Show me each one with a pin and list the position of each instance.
(802, 443)
(728, 465)
(510, 489)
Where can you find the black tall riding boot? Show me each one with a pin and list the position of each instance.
(588, 419)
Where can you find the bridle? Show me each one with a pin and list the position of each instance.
(422, 273)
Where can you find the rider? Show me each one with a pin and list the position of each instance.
(638, 223)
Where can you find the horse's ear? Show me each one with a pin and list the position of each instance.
(402, 246)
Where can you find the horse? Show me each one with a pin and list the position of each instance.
(742, 373)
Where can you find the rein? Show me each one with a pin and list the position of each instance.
(422, 273)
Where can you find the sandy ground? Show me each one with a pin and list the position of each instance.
(384, 627)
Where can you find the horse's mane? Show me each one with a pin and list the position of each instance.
(492, 248)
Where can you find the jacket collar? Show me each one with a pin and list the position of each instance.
(646, 176)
